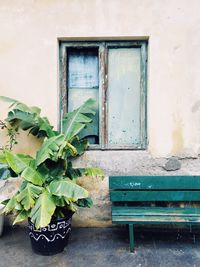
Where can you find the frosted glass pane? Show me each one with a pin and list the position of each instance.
(83, 68)
(124, 96)
(83, 83)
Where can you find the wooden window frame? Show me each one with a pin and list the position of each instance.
(103, 47)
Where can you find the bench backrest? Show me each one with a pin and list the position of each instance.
(154, 188)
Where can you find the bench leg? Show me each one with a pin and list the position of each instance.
(131, 237)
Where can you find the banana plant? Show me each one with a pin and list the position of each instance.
(49, 182)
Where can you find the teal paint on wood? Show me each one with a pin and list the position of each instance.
(124, 96)
(158, 214)
(127, 192)
(155, 220)
(131, 237)
(155, 182)
(155, 211)
(155, 196)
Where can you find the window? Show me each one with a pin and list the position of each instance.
(114, 74)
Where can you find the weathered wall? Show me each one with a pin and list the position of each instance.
(29, 33)
(138, 163)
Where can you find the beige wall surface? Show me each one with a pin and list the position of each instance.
(29, 34)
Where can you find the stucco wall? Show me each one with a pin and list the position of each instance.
(29, 34)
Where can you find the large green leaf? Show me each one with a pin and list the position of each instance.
(43, 210)
(74, 173)
(36, 125)
(19, 105)
(8, 99)
(3, 158)
(17, 162)
(28, 118)
(73, 122)
(25, 166)
(50, 149)
(22, 215)
(44, 128)
(53, 169)
(30, 174)
(68, 189)
(15, 103)
(28, 196)
(54, 148)
(12, 205)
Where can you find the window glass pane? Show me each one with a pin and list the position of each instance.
(124, 96)
(83, 83)
(83, 68)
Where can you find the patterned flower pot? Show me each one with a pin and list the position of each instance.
(1, 219)
(52, 239)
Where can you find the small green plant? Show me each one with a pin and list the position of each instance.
(49, 182)
(12, 136)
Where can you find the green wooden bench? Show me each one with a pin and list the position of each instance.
(131, 197)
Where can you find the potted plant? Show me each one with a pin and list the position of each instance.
(49, 194)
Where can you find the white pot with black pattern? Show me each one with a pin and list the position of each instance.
(52, 239)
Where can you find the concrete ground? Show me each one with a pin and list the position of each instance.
(106, 247)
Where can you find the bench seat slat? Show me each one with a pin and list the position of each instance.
(155, 211)
(157, 215)
(155, 219)
(155, 182)
(154, 196)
